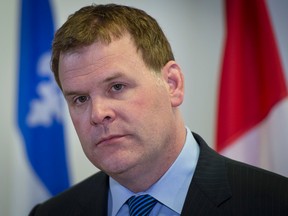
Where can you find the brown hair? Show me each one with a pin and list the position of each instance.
(102, 23)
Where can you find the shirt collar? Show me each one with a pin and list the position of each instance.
(181, 171)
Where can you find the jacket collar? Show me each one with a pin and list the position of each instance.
(210, 181)
(94, 200)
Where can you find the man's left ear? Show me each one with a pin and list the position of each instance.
(174, 78)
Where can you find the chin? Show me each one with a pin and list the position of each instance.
(113, 162)
(116, 168)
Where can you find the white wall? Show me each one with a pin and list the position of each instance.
(7, 90)
(195, 30)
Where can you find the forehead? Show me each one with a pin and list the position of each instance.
(98, 52)
(123, 46)
(100, 59)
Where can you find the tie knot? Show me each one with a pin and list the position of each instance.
(141, 205)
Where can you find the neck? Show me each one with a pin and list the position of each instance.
(143, 177)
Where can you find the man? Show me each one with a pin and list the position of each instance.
(123, 88)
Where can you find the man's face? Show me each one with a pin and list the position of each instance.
(121, 111)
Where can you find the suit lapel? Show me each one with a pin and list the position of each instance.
(209, 187)
(94, 200)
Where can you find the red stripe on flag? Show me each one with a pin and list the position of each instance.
(252, 79)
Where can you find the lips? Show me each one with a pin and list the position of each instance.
(110, 139)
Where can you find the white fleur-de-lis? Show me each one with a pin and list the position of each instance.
(49, 105)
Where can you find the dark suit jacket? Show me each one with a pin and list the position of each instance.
(220, 186)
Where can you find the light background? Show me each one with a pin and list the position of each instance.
(195, 29)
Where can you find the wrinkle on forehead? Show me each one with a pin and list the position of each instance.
(99, 58)
(127, 45)
(98, 67)
(78, 70)
(91, 62)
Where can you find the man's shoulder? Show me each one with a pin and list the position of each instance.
(240, 188)
(242, 177)
(73, 199)
(89, 185)
(254, 175)
(253, 185)
(235, 168)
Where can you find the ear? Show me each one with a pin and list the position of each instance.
(173, 76)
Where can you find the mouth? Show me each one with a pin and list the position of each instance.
(110, 140)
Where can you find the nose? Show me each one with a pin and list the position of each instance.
(102, 112)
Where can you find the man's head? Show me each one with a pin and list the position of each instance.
(123, 93)
(102, 23)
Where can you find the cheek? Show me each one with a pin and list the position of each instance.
(147, 99)
(149, 109)
(81, 124)
(153, 103)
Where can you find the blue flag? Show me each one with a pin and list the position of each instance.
(40, 104)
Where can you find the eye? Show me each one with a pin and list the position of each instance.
(117, 87)
(81, 99)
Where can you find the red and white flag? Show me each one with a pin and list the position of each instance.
(252, 121)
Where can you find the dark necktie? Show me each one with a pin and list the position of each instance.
(141, 205)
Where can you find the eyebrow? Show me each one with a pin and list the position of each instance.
(113, 77)
(106, 80)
